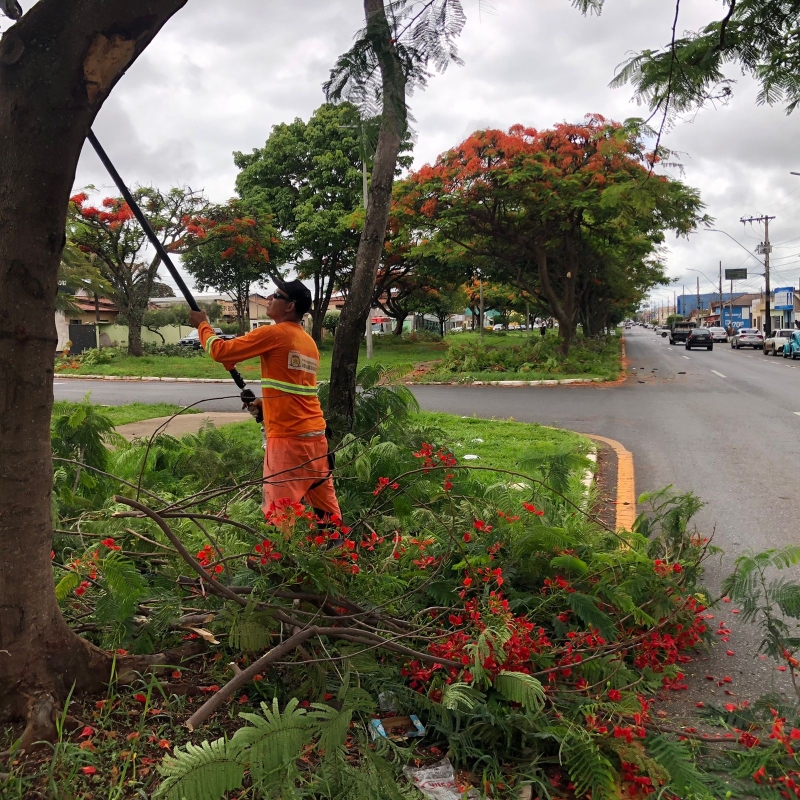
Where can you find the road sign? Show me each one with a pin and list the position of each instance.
(784, 299)
(736, 274)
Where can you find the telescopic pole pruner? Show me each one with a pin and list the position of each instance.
(247, 394)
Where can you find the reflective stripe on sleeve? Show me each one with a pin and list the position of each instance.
(289, 388)
(207, 345)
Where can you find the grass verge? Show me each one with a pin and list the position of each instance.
(137, 412)
(465, 357)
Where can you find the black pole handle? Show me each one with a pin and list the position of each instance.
(151, 235)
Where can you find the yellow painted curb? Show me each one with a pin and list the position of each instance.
(626, 485)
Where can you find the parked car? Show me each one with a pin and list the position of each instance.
(699, 337)
(747, 337)
(774, 343)
(718, 334)
(193, 339)
(791, 348)
(499, 327)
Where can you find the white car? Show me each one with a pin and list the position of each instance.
(774, 343)
(718, 334)
(747, 337)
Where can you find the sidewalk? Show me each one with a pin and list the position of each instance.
(182, 424)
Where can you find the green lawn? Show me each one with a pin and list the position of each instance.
(388, 351)
(493, 357)
(136, 412)
(501, 443)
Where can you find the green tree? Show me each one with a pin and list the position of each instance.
(229, 250)
(760, 37)
(310, 175)
(121, 249)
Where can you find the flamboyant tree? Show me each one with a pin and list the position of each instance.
(536, 204)
(229, 250)
(122, 254)
(58, 64)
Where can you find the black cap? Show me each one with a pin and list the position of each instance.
(298, 292)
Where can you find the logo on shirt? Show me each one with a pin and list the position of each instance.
(301, 362)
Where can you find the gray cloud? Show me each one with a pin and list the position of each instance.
(221, 75)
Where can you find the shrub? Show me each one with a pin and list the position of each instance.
(170, 349)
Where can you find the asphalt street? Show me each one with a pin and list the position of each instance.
(724, 424)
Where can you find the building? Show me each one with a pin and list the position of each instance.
(742, 311)
(257, 304)
(784, 309)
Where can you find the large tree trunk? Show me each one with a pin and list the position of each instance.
(565, 307)
(352, 324)
(399, 321)
(57, 66)
(134, 316)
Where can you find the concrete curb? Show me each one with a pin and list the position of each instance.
(626, 483)
(59, 376)
(565, 382)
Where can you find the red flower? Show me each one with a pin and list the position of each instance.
(467, 537)
(614, 695)
(532, 508)
(89, 770)
(140, 698)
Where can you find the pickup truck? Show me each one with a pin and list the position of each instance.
(679, 332)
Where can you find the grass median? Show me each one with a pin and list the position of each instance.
(460, 358)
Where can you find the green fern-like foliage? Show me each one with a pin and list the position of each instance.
(685, 778)
(589, 769)
(200, 772)
(517, 687)
(274, 741)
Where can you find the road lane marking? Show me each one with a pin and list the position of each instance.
(798, 413)
(626, 487)
(719, 373)
(686, 357)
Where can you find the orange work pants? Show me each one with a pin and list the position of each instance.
(292, 466)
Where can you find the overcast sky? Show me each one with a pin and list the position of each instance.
(220, 75)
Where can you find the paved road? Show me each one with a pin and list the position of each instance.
(724, 424)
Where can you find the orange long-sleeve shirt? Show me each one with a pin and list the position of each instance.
(289, 365)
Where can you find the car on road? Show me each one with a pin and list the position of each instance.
(718, 334)
(774, 343)
(747, 337)
(679, 331)
(499, 327)
(699, 337)
(193, 339)
(791, 349)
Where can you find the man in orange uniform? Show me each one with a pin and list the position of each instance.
(296, 462)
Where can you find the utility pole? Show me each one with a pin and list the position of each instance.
(730, 306)
(764, 249)
(720, 293)
(480, 315)
(698, 302)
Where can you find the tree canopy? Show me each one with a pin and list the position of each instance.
(229, 250)
(760, 37)
(310, 176)
(121, 248)
(571, 214)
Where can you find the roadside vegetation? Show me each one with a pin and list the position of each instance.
(527, 638)
(119, 415)
(462, 357)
